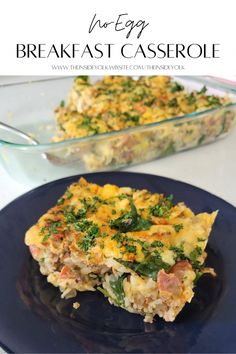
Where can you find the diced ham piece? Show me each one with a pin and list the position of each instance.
(168, 282)
(58, 237)
(180, 268)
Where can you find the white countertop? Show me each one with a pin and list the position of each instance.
(211, 167)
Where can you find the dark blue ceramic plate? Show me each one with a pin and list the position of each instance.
(34, 319)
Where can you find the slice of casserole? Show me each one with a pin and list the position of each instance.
(139, 249)
(118, 102)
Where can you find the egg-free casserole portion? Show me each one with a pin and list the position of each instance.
(120, 102)
(144, 107)
(138, 248)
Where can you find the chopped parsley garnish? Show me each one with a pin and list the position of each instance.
(127, 84)
(128, 243)
(178, 227)
(157, 243)
(117, 237)
(130, 221)
(62, 103)
(191, 99)
(51, 229)
(139, 94)
(60, 201)
(112, 114)
(88, 240)
(97, 199)
(42, 230)
(46, 237)
(68, 194)
(122, 196)
(81, 213)
(149, 267)
(202, 91)
(124, 240)
(163, 208)
(132, 117)
(193, 257)
(213, 101)
(83, 78)
(89, 124)
(179, 252)
(130, 248)
(72, 217)
(176, 87)
(111, 92)
(179, 255)
(142, 224)
(173, 103)
(150, 102)
(82, 225)
(118, 289)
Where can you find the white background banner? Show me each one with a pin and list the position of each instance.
(72, 37)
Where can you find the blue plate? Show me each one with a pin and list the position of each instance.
(33, 317)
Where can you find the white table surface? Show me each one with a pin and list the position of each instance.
(211, 167)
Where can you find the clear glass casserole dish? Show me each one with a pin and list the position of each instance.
(29, 106)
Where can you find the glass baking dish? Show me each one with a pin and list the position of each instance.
(30, 105)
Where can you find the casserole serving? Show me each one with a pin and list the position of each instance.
(143, 252)
(30, 107)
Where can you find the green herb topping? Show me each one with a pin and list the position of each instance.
(49, 230)
(118, 289)
(68, 194)
(163, 208)
(192, 258)
(179, 252)
(130, 221)
(213, 101)
(173, 103)
(60, 201)
(84, 78)
(191, 99)
(178, 227)
(175, 87)
(88, 240)
(157, 243)
(82, 225)
(202, 91)
(149, 267)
